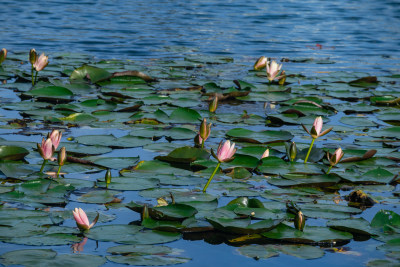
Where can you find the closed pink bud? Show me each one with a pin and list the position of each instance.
(82, 220)
(317, 125)
(3, 55)
(337, 156)
(41, 62)
(260, 63)
(46, 149)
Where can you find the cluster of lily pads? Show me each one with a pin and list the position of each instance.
(125, 130)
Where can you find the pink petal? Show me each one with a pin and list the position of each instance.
(318, 124)
(76, 216)
(83, 217)
(48, 149)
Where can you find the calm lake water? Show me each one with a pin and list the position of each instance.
(354, 35)
(358, 34)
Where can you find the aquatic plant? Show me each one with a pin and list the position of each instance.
(3, 55)
(225, 153)
(315, 132)
(273, 69)
(82, 220)
(336, 157)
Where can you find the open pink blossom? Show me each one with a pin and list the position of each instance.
(317, 128)
(273, 69)
(41, 62)
(336, 157)
(55, 137)
(46, 149)
(225, 152)
(82, 220)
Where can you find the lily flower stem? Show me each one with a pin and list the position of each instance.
(309, 150)
(212, 175)
(36, 76)
(330, 167)
(58, 172)
(44, 163)
(202, 143)
(33, 81)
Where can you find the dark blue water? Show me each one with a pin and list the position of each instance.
(355, 35)
(363, 35)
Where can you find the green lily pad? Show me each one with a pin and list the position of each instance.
(99, 196)
(242, 226)
(93, 73)
(264, 137)
(12, 153)
(48, 257)
(355, 225)
(310, 234)
(185, 154)
(145, 255)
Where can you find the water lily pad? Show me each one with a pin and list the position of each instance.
(98, 196)
(146, 255)
(48, 257)
(310, 234)
(242, 226)
(185, 154)
(268, 136)
(93, 73)
(355, 225)
(12, 152)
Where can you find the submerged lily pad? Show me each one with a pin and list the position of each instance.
(146, 255)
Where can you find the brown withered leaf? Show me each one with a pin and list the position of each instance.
(134, 73)
(367, 155)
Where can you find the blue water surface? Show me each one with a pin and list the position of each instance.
(361, 35)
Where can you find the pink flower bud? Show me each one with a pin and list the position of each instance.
(46, 149)
(41, 62)
(337, 156)
(3, 55)
(82, 220)
(260, 63)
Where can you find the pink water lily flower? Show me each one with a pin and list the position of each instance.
(55, 137)
(317, 128)
(82, 220)
(225, 152)
(273, 69)
(265, 154)
(3, 55)
(41, 62)
(260, 63)
(46, 149)
(336, 157)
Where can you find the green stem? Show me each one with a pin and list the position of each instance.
(202, 143)
(44, 163)
(309, 150)
(212, 175)
(58, 172)
(33, 81)
(36, 76)
(330, 167)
